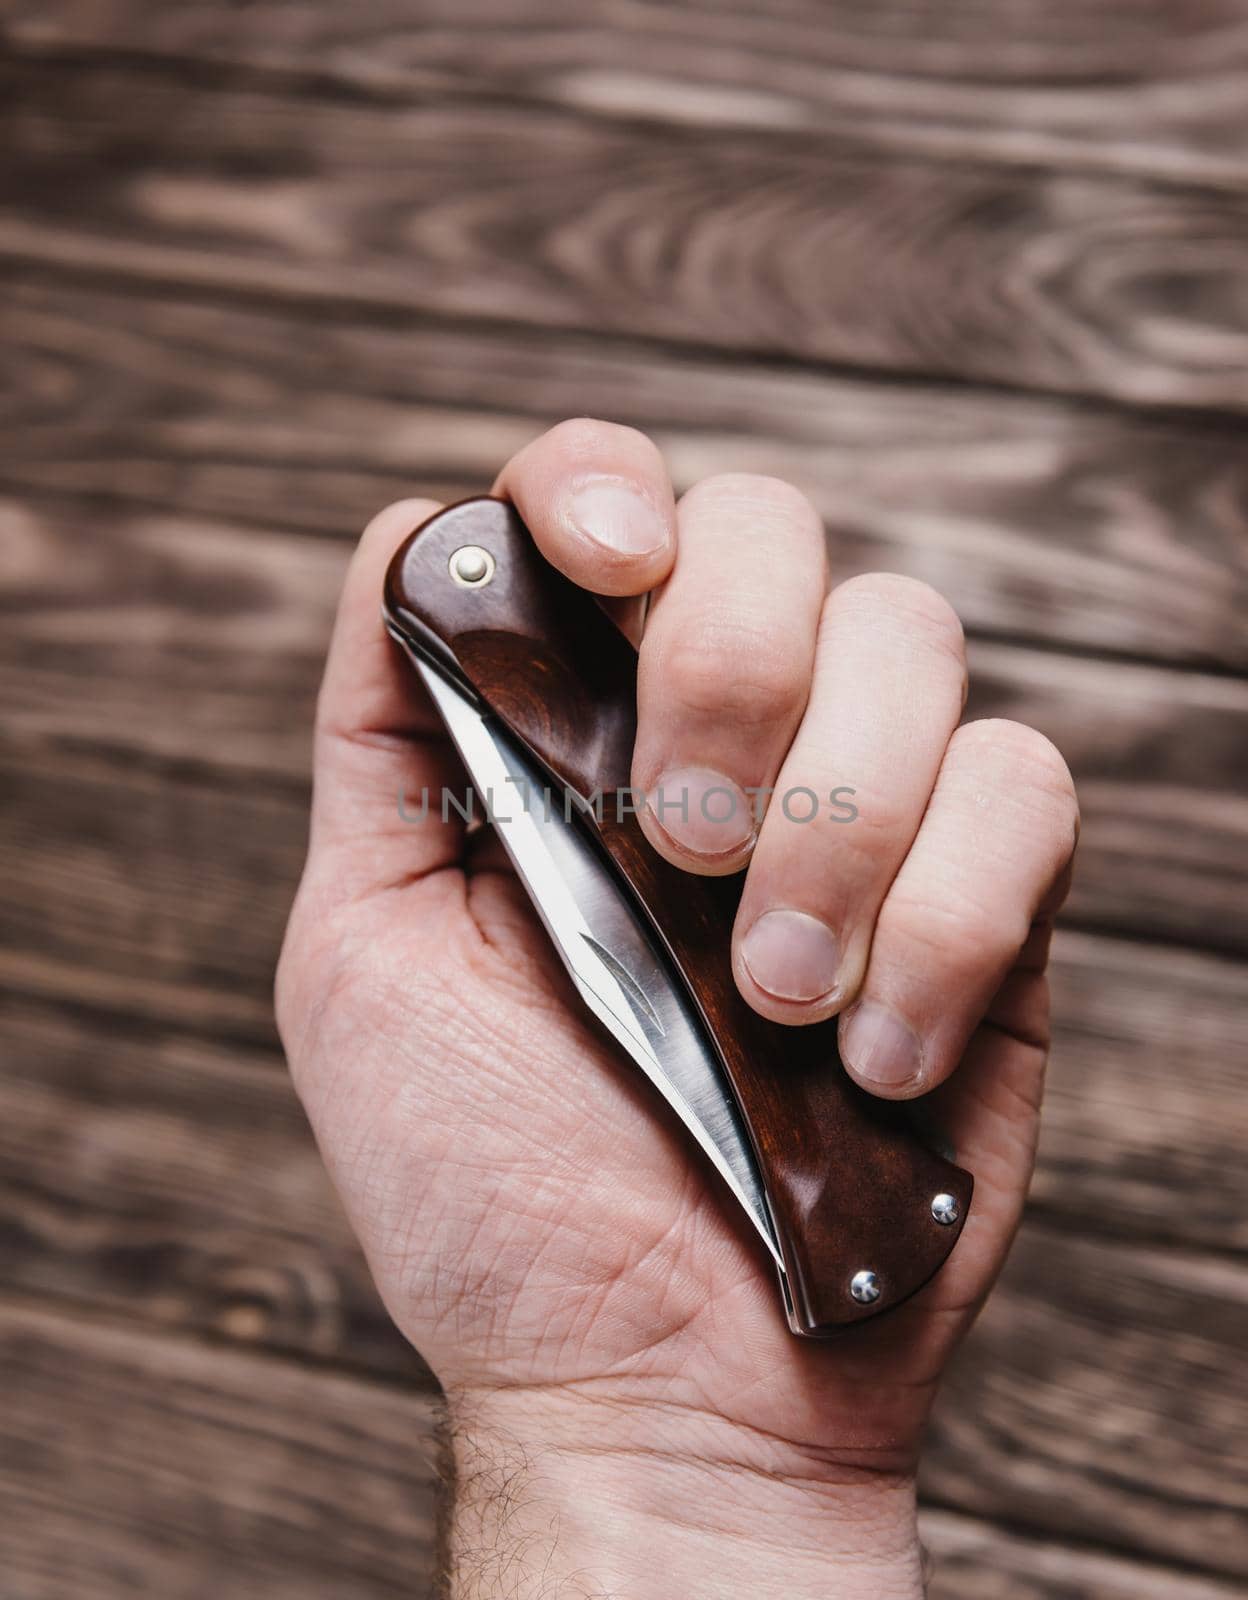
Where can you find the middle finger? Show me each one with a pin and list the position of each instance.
(888, 688)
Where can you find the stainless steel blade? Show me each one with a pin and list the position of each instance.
(615, 961)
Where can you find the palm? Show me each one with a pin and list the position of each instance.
(534, 1216)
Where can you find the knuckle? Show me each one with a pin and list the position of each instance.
(954, 931)
(580, 439)
(757, 492)
(910, 601)
(881, 825)
(1027, 761)
(717, 669)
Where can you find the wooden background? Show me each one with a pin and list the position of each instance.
(976, 276)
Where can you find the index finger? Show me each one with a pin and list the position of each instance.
(598, 501)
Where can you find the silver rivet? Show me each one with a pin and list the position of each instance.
(865, 1287)
(471, 567)
(945, 1209)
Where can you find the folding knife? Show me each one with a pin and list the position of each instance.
(537, 689)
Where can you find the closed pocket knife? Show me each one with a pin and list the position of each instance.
(537, 688)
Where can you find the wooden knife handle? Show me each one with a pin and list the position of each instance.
(850, 1186)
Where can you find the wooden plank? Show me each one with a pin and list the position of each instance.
(174, 1177)
(1148, 89)
(1097, 1399)
(173, 640)
(167, 897)
(232, 626)
(1096, 1402)
(132, 1463)
(495, 211)
(1038, 520)
(1144, 1119)
(976, 1560)
(1159, 759)
(148, 1173)
(144, 894)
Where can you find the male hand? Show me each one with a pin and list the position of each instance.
(631, 1416)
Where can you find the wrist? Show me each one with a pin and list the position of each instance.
(561, 1493)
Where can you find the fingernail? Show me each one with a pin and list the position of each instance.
(702, 812)
(618, 517)
(878, 1046)
(791, 955)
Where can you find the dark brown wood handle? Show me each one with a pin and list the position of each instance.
(851, 1187)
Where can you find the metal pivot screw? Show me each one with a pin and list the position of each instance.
(945, 1209)
(865, 1287)
(471, 567)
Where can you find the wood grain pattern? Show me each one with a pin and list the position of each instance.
(1145, 1121)
(1160, 90)
(235, 624)
(132, 1463)
(1139, 1343)
(185, 1231)
(151, 892)
(1097, 530)
(134, 928)
(121, 893)
(263, 268)
(753, 243)
(133, 1459)
(234, 1233)
(174, 1179)
(974, 1560)
(1114, 727)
